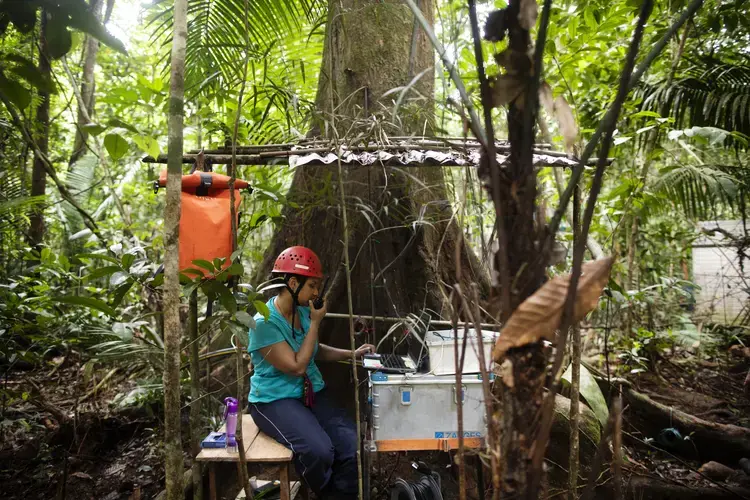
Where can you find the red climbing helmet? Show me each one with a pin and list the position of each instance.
(298, 260)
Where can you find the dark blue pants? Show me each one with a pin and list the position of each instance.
(323, 440)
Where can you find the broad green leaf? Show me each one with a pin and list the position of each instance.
(120, 292)
(148, 145)
(573, 27)
(45, 254)
(262, 308)
(14, 91)
(590, 392)
(64, 262)
(646, 114)
(236, 269)
(119, 278)
(88, 302)
(196, 272)
(94, 128)
(192, 282)
(257, 219)
(205, 265)
(59, 40)
(116, 145)
(116, 122)
(588, 17)
(127, 260)
(98, 256)
(227, 299)
(158, 280)
(126, 94)
(102, 271)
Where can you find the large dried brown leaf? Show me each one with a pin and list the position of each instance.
(505, 89)
(560, 109)
(567, 122)
(546, 99)
(527, 14)
(538, 317)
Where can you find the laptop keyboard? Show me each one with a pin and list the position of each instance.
(392, 361)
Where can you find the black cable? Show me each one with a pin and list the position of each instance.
(426, 488)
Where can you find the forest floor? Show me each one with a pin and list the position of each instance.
(62, 440)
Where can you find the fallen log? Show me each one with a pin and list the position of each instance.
(649, 488)
(723, 443)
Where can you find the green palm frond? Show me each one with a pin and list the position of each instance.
(80, 181)
(218, 35)
(15, 205)
(697, 190)
(118, 343)
(14, 213)
(706, 95)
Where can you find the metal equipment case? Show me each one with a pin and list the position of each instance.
(440, 345)
(413, 409)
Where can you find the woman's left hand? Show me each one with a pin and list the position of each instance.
(365, 349)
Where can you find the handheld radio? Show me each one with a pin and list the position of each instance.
(318, 303)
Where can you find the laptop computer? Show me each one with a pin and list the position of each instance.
(389, 363)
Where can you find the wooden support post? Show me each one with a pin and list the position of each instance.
(212, 480)
(284, 479)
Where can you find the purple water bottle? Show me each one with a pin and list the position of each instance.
(230, 416)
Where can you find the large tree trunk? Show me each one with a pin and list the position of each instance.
(368, 44)
(86, 108)
(172, 324)
(39, 174)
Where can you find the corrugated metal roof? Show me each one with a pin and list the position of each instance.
(414, 157)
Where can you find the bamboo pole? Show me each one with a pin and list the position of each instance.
(195, 400)
(242, 464)
(351, 331)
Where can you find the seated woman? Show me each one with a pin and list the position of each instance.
(288, 398)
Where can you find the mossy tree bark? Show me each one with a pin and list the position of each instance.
(519, 391)
(39, 173)
(172, 324)
(372, 47)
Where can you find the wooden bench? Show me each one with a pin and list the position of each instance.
(259, 448)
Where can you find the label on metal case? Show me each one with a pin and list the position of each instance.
(454, 434)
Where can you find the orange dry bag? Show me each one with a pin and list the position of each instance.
(205, 222)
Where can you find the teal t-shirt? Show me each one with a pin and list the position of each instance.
(267, 382)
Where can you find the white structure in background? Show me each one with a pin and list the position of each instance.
(724, 293)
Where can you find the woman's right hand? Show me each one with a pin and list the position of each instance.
(317, 315)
